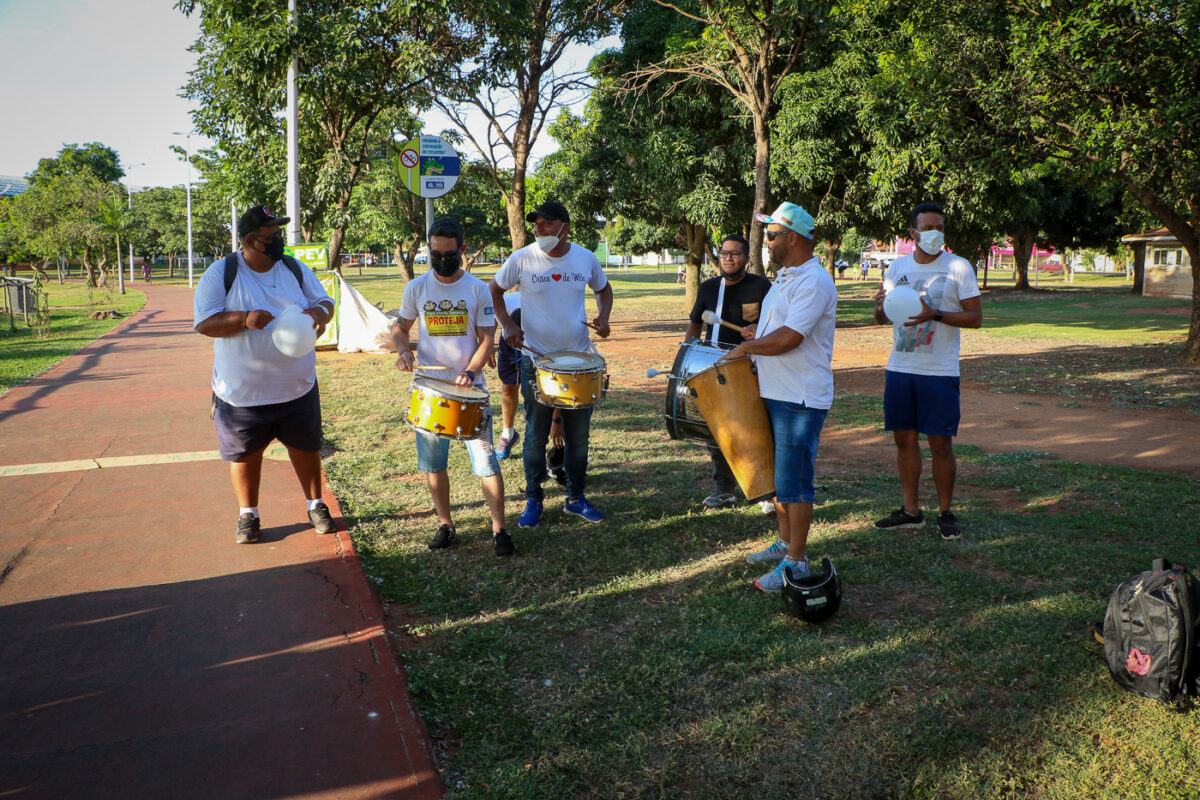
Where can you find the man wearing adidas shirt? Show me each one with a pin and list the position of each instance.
(553, 274)
(921, 384)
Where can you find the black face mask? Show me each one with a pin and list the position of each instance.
(445, 264)
(274, 248)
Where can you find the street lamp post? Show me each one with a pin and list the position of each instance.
(129, 192)
(191, 273)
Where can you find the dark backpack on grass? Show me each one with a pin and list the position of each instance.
(1152, 631)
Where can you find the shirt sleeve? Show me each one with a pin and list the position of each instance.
(314, 292)
(698, 309)
(485, 314)
(408, 304)
(510, 274)
(968, 286)
(210, 293)
(599, 278)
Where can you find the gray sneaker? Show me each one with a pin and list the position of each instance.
(776, 551)
(719, 500)
(248, 529)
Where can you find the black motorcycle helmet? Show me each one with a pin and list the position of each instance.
(815, 597)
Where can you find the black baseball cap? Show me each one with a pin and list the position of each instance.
(549, 210)
(258, 217)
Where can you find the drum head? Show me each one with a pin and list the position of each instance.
(569, 361)
(448, 389)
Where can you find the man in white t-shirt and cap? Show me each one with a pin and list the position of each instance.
(260, 394)
(793, 351)
(552, 274)
(921, 393)
(456, 324)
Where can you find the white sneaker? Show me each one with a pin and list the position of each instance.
(776, 551)
(767, 507)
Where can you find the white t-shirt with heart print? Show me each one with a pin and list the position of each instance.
(553, 295)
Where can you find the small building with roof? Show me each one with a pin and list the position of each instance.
(1168, 269)
(11, 186)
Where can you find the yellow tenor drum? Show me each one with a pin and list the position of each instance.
(447, 410)
(569, 379)
(727, 394)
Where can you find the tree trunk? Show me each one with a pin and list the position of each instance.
(1022, 243)
(103, 265)
(88, 267)
(336, 237)
(170, 265)
(1191, 350)
(762, 188)
(120, 267)
(403, 259)
(831, 251)
(696, 236)
(1139, 268)
(514, 204)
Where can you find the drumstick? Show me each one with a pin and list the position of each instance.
(429, 366)
(713, 319)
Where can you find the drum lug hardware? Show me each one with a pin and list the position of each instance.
(563, 387)
(459, 429)
(720, 379)
(445, 404)
(463, 407)
(439, 427)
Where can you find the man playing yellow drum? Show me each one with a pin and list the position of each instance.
(793, 351)
(456, 326)
(552, 274)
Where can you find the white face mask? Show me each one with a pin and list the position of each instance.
(931, 241)
(548, 243)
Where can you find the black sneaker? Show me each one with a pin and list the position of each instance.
(443, 538)
(901, 519)
(321, 519)
(948, 525)
(247, 529)
(503, 543)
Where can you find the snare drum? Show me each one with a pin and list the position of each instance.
(683, 417)
(447, 410)
(570, 379)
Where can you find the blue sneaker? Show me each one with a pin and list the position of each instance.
(531, 515)
(504, 449)
(580, 507)
(773, 580)
(776, 551)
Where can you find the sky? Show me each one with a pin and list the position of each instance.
(109, 71)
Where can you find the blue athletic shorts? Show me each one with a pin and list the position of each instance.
(797, 431)
(927, 404)
(508, 364)
(433, 452)
(248, 429)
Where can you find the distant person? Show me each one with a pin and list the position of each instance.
(736, 297)
(921, 391)
(508, 367)
(865, 268)
(146, 273)
(260, 394)
(454, 310)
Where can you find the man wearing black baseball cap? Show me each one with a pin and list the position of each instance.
(552, 273)
(259, 393)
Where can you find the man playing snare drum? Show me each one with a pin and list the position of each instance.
(735, 296)
(456, 326)
(552, 274)
(793, 350)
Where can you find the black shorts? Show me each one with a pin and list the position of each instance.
(508, 358)
(245, 430)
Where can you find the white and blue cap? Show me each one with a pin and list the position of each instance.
(792, 217)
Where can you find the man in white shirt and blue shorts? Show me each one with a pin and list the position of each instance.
(921, 391)
(456, 324)
(260, 394)
(793, 351)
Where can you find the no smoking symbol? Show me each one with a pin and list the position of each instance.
(409, 158)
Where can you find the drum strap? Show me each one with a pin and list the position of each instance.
(712, 329)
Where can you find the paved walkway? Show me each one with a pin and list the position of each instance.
(143, 653)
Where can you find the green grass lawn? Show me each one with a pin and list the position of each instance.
(633, 658)
(24, 355)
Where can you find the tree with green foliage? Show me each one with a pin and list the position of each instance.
(509, 74)
(747, 49)
(59, 217)
(360, 65)
(93, 158)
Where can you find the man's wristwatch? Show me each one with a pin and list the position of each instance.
(937, 317)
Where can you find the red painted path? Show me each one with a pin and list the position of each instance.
(142, 653)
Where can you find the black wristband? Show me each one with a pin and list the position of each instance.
(469, 374)
(937, 317)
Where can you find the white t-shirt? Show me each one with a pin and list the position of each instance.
(931, 348)
(552, 295)
(447, 315)
(248, 370)
(803, 298)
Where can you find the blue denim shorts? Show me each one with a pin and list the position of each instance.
(927, 404)
(797, 431)
(433, 452)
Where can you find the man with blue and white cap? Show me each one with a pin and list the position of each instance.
(793, 350)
